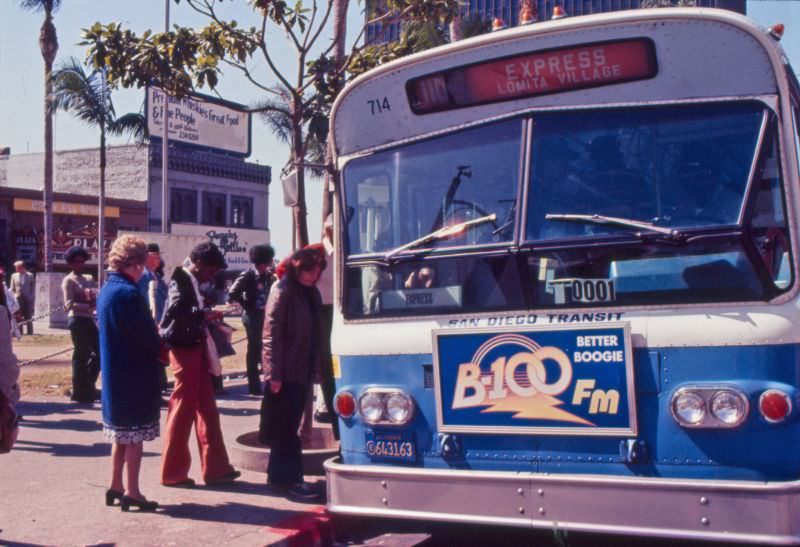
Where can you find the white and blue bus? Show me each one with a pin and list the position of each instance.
(566, 278)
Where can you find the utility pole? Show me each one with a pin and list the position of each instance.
(165, 146)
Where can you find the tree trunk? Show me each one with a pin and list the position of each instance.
(339, 37)
(101, 214)
(299, 210)
(48, 43)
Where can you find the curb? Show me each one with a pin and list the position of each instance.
(312, 528)
(246, 452)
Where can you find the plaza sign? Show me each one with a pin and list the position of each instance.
(201, 121)
(233, 242)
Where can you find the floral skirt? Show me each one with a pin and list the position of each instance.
(131, 434)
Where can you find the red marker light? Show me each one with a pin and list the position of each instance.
(345, 404)
(777, 31)
(498, 24)
(774, 405)
(527, 13)
(558, 12)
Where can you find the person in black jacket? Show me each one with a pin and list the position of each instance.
(294, 348)
(250, 290)
(184, 330)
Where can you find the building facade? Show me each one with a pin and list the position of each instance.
(211, 193)
(508, 11)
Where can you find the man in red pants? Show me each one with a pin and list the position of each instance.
(185, 328)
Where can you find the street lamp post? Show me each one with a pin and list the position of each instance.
(165, 146)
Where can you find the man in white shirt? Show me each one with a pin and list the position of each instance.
(24, 288)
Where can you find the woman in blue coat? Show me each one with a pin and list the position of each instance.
(129, 349)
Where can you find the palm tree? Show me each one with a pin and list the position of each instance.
(88, 97)
(48, 43)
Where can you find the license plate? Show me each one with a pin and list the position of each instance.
(391, 446)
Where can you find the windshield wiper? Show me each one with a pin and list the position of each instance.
(441, 233)
(673, 233)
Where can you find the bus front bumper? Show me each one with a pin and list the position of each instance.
(761, 513)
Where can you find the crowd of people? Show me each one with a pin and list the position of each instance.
(134, 327)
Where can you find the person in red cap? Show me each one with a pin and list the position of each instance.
(293, 354)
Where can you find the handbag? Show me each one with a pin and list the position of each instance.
(222, 334)
(9, 424)
(214, 364)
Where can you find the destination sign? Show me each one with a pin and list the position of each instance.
(532, 74)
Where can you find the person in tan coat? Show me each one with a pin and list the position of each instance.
(9, 369)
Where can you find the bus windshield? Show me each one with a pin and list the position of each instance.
(406, 193)
(670, 166)
(640, 206)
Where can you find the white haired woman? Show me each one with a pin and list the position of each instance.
(131, 371)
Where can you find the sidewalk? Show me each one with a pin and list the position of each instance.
(52, 486)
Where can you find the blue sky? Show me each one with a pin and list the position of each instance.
(21, 76)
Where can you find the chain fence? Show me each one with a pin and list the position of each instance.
(65, 350)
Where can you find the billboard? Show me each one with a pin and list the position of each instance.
(551, 380)
(201, 121)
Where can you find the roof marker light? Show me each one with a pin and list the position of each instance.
(776, 31)
(498, 24)
(527, 13)
(558, 12)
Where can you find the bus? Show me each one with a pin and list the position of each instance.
(566, 281)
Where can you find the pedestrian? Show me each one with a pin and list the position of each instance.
(250, 290)
(293, 336)
(149, 285)
(11, 305)
(80, 293)
(23, 286)
(9, 369)
(157, 293)
(185, 329)
(129, 350)
(9, 376)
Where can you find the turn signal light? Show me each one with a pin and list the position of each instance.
(345, 404)
(775, 405)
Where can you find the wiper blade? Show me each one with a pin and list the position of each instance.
(618, 221)
(441, 233)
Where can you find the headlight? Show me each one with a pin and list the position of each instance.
(689, 407)
(370, 405)
(728, 407)
(710, 406)
(399, 407)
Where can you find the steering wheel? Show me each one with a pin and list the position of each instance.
(461, 210)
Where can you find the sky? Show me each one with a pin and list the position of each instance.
(22, 74)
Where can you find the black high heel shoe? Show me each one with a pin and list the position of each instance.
(143, 505)
(112, 496)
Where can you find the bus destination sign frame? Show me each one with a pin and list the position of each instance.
(533, 74)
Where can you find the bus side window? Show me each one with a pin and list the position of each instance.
(768, 218)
